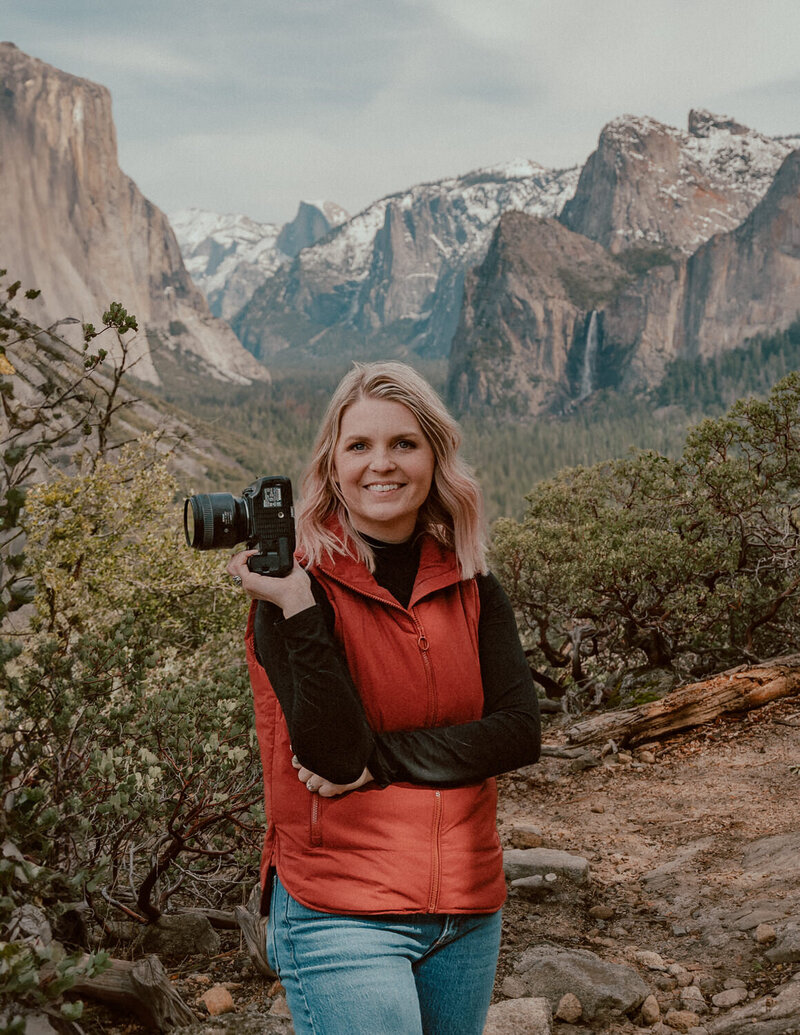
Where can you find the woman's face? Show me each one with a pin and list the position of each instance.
(384, 466)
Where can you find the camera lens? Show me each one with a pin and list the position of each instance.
(214, 521)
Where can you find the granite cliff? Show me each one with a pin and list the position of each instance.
(76, 227)
(652, 184)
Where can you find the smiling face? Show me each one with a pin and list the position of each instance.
(384, 466)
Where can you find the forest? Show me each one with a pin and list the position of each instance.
(657, 535)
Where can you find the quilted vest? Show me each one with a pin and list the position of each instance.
(404, 848)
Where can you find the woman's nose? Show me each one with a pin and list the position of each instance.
(382, 460)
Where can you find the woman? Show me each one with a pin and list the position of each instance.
(390, 687)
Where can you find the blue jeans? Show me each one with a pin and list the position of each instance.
(405, 974)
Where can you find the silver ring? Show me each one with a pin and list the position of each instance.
(236, 580)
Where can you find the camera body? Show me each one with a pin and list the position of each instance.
(263, 517)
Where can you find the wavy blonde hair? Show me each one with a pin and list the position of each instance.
(453, 510)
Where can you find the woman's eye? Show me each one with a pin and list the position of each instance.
(405, 444)
(357, 447)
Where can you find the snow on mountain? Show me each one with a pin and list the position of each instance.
(398, 265)
(650, 183)
(227, 256)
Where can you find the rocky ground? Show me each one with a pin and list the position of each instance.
(662, 894)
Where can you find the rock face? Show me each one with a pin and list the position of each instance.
(652, 184)
(230, 256)
(391, 277)
(736, 285)
(77, 228)
(522, 344)
(527, 341)
(313, 220)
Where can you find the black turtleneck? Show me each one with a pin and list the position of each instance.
(326, 720)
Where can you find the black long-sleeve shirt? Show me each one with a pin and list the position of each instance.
(326, 719)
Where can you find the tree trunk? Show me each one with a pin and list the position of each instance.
(729, 693)
(142, 988)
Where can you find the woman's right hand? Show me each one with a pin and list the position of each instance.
(291, 593)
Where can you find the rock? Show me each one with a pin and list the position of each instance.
(651, 1011)
(645, 756)
(786, 948)
(29, 924)
(513, 987)
(526, 835)
(550, 971)
(765, 934)
(733, 983)
(692, 999)
(218, 1000)
(528, 862)
(534, 884)
(186, 934)
(651, 960)
(530, 1016)
(682, 1020)
(681, 974)
(569, 1008)
(598, 808)
(770, 1015)
(729, 997)
(280, 1008)
(602, 912)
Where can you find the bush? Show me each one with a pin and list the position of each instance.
(650, 562)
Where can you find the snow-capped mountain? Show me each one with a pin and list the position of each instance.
(230, 256)
(652, 184)
(394, 272)
(675, 244)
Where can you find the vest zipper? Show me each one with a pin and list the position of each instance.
(436, 860)
(422, 643)
(316, 821)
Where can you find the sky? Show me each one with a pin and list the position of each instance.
(250, 106)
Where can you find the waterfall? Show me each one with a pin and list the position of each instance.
(589, 357)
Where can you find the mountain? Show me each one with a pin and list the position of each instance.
(230, 256)
(652, 184)
(390, 279)
(675, 276)
(523, 315)
(76, 227)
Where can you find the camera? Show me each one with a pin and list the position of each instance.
(263, 516)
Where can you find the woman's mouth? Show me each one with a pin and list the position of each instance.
(383, 487)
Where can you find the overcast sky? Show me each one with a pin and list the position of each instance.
(250, 105)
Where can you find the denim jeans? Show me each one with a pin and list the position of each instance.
(405, 974)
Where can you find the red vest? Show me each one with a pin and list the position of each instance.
(404, 848)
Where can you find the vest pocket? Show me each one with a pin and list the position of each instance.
(316, 821)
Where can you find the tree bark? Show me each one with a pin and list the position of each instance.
(142, 988)
(729, 693)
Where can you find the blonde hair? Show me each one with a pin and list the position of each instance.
(453, 510)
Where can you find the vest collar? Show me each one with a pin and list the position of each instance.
(438, 568)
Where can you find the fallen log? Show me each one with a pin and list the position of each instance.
(729, 693)
(142, 988)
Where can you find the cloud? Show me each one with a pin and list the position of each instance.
(253, 104)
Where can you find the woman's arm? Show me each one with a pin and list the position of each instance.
(506, 737)
(328, 726)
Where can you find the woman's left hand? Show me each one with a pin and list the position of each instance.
(324, 788)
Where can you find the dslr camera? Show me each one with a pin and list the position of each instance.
(263, 517)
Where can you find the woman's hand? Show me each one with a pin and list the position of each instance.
(324, 788)
(291, 593)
